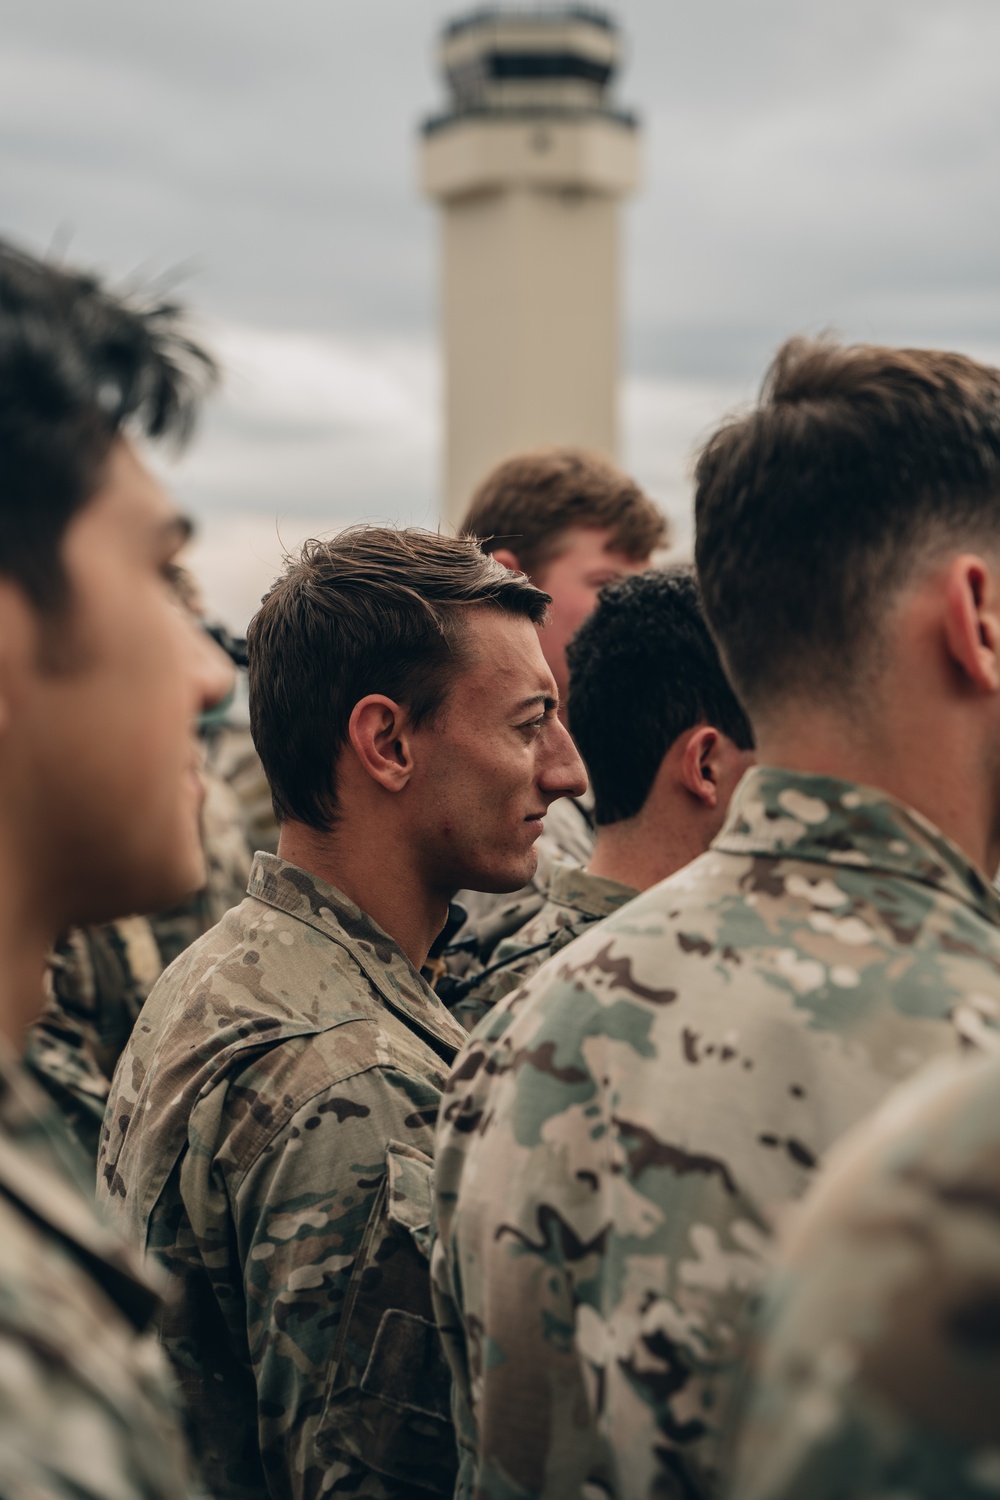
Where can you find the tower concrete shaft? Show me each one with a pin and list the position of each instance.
(529, 164)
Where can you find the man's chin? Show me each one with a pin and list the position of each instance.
(504, 882)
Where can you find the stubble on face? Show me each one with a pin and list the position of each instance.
(493, 759)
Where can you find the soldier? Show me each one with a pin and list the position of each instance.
(101, 680)
(572, 522)
(879, 1374)
(617, 1137)
(270, 1129)
(98, 977)
(665, 742)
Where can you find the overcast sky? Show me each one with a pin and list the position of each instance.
(809, 164)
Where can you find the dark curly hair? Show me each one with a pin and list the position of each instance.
(79, 367)
(642, 670)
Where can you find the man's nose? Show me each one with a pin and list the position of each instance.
(563, 773)
(215, 675)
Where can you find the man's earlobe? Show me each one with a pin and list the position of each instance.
(379, 735)
(972, 624)
(698, 764)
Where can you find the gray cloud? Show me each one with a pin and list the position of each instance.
(807, 166)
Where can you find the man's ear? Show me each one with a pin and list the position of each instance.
(699, 764)
(972, 625)
(380, 737)
(508, 558)
(20, 647)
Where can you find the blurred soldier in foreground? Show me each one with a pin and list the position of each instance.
(101, 680)
(99, 977)
(271, 1124)
(572, 522)
(665, 742)
(879, 1372)
(616, 1139)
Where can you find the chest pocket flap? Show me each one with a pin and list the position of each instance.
(390, 1400)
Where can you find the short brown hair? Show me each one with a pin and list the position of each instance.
(529, 501)
(813, 510)
(375, 610)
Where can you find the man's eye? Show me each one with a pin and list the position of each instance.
(532, 726)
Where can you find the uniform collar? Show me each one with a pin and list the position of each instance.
(593, 895)
(790, 815)
(309, 899)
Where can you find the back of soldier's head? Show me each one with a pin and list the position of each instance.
(79, 367)
(643, 670)
(528, 503)
(816, 510)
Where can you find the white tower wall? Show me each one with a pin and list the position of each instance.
(530, 273)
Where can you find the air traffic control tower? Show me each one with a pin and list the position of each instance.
(529, 162)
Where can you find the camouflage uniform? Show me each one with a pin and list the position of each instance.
(87, 1404)
(269, 1139)
(574, 900)
(231, 752)
(227, 870)
(99, 977)
(618, 1134)
(880, 1374)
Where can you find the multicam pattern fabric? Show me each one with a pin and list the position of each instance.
(618, 1135)
(269, 1139)
(87, 1403)
(99, 977)
(227, 866)
(574, 900)
(879, 1372)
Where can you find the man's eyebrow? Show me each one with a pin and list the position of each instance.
(545, 699)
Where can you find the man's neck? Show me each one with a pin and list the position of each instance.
(641, 851)
(378, 879)
(935, 773)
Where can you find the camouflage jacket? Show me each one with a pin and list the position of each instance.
(99, 977)
(87, 1401)
(269, 1139)
(618, 1134)
(879, 1371)
(574, 900)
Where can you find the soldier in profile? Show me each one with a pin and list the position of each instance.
(99, 976)
(269, 1136)
(665, 742)
(572, 522)
(617, 1138)
(102, 678)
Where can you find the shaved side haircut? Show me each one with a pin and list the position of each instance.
(857, 466)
